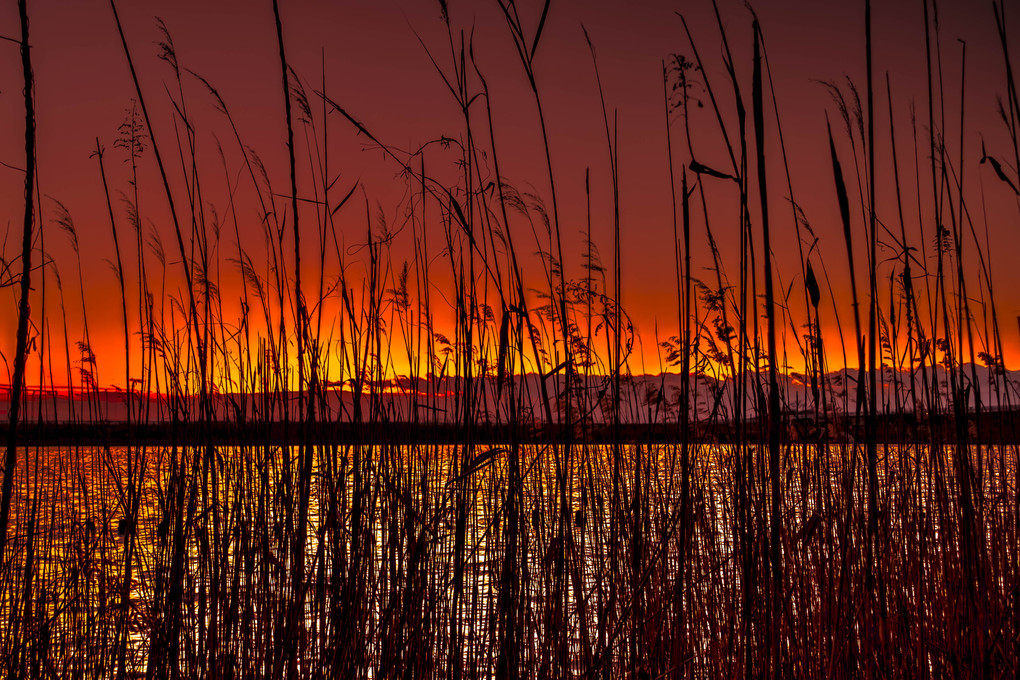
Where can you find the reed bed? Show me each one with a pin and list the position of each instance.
(330, 461)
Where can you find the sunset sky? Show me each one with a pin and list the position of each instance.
(370, 58)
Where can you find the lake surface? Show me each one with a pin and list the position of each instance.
(429, 561)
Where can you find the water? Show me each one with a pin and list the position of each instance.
(418, 559)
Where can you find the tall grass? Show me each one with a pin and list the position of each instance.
(272, 494)
(25, 282)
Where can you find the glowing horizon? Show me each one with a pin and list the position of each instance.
(380, 71)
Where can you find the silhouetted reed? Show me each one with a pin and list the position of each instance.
(349, 447)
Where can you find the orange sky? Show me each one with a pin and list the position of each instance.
(371, 61)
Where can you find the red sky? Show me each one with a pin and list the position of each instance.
(376, 67)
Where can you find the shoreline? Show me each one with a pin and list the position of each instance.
(990, 427)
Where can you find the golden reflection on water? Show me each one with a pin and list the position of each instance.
(435, 513)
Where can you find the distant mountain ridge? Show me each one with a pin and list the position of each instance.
(644, 399)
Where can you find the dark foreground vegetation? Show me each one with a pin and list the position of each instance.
(502, 527)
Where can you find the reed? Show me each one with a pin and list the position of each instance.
(415, 440)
